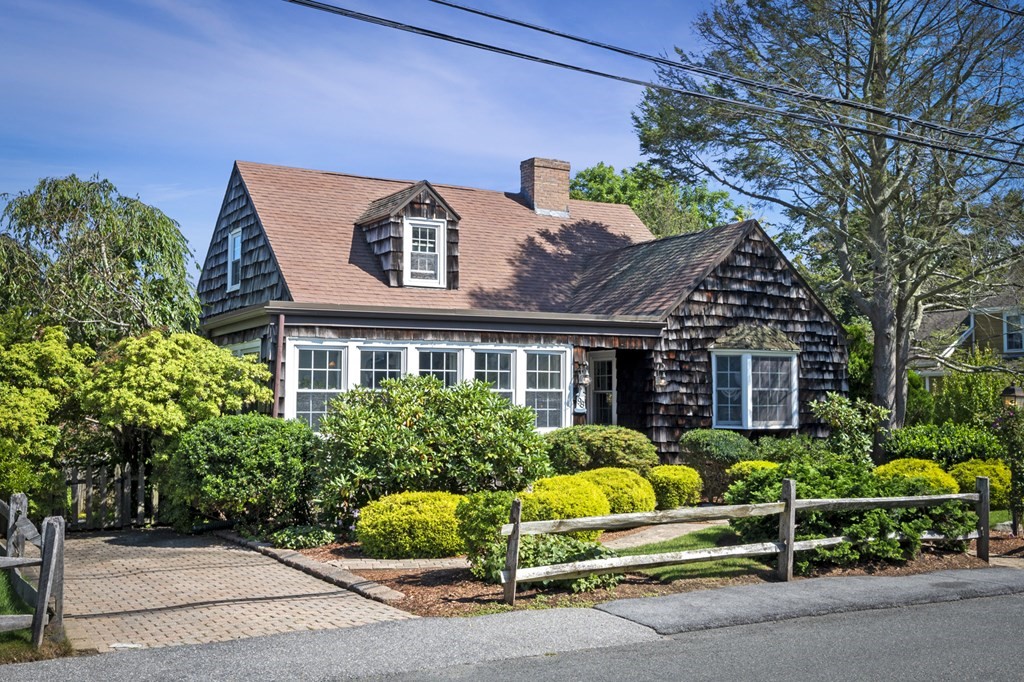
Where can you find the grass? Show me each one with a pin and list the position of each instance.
(998, 516)
(715, 536)
(16, 645)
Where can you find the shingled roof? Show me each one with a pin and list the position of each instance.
(393, 203)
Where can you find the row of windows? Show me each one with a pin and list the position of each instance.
(321, 375)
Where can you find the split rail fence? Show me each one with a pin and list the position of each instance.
(110, 496)
(50, 581)
(785, 509)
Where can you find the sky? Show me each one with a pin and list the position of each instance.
(162, 96)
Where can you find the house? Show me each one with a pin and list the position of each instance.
(569, 307)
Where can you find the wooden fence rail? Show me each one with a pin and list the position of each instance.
(50, 582)
(786, 509)
(110, 496)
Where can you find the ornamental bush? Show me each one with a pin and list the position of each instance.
(415, 525)
(675, 485)
(565, 497)
(772, 449)
(995, 470)
(946, 444)
(743, 469)
(579, 448)
(711, 452)
(929, 472)
(545, 550)
(627, 491)
(416, 435)
(247, 468)
(301, 537)
(481, 516)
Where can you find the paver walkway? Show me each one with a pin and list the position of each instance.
(138, 589)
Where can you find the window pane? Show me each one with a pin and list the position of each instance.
(495, 368)
(544, 387)
(378, 365)
(729, 390)
(601, 386)
(1014, 337)
(442, 364)
(424, 252)
(319, 380)
(771, 390)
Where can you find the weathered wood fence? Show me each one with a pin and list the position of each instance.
(785, 509)
(50, 581)
(110, 496)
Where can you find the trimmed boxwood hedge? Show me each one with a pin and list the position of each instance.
(626, 490)
(565, 497)
(922, 469)
(410, 526)
(675, 485)
(594, 446)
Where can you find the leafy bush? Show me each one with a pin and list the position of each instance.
(675, 485)
(415, 434)
(626, 490)
(972, 397)
(839, 476)
(545, 550)
(945, 444)
(578, 448)
(565, 497)
(931, 473)
(301, 537)
(481, 516)
(853, 424)
(247, 468)
(410, 526)
(995, 470)
(743, 469)
(772, 449)
(711, 452)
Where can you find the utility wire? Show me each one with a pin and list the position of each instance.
(1008, 10)
(803, 118)
(747, 82)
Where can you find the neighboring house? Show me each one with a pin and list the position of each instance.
(566, 306)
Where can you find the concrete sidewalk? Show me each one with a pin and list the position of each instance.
(393, 648)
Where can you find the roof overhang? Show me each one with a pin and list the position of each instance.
(333, 315)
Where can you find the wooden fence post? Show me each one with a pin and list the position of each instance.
(512, 556)
(981, 508)
(18, 509)
(787, 530)
(53, 552)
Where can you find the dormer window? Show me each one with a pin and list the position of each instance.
(424, 257)
(234, 259)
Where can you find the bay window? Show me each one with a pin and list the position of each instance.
(754, 390)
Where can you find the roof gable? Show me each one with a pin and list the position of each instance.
(394, 203)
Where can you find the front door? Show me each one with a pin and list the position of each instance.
(602, 388)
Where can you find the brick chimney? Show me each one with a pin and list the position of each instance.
(545, 186)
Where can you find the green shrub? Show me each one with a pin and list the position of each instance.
(995, 470)
(772, 449)
(545, 550)
(743, 469)
(853, 424)
(481, 516)
(931, 473)
(415, 434)
(946, 444)
(247, 468)
(627, 491)
(578, 448)
(675, 485)
(972, 397)
(565, 497)
(711, 452)
(301, 537)
(410, 526)
(839, 476)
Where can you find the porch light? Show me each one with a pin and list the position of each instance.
(581, 373)
(660, 380)
(1013, 396)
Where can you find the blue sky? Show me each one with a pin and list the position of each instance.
(162, 96)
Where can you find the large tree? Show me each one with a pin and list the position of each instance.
(75, 253)
(901, 227)
(665, 206)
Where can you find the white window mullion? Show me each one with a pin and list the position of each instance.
(795, 391)
(748, 393)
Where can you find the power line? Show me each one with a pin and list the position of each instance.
(747, 82)
(1008, 10)
(802, 118)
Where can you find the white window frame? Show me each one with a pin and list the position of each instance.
(1007, 317)
(356, 361)
(746, 391)
(235, 236)
(562, 371)
(442, 237)
(602, 356)
(414, 367)
(410, 364)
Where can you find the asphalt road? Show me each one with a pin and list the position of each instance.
(974, 639)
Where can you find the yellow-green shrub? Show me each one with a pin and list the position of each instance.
(743, 469)
(627, 491)
(922, 469)
(565, 497)
(675, 485)
(410, 526)
(998, 479)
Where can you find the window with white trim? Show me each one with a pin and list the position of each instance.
(377, 365)
(495, 368)
(602, 388)
(234, 259)
(755, 390)
(443, 364)
(321, 376)
(1013, 333)
(424, 257)
(544, 388)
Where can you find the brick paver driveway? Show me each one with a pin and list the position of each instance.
(157, 588)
